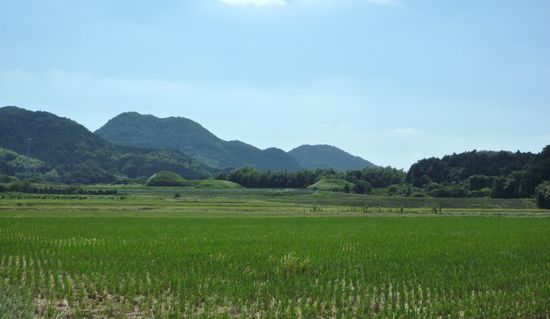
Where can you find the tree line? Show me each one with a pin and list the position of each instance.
(368, 178)
(469, 174)
(29, 188)
(501, 174)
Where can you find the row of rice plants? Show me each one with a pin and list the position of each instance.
(278, 267)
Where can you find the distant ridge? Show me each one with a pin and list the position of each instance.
(189, 137)
(182, 134)
(327, 156)
(69, 150)
(134, 145)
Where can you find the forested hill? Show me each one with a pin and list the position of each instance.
(134, 129)
(178, 133)
(326, 157)
(508, 174)
(74, 154)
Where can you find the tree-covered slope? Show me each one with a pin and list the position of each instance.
(506, 174)
(177, 133)
(326, 156)
(81, 156)
(458, 167)
(15, 164)
(48, 137)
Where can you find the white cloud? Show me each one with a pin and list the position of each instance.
(405, 132)
(262, 3)
(374, 2)
(383, 2)
(254, 3)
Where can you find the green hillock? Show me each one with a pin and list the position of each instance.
(216, 184)
(332, 185)
(166, 178)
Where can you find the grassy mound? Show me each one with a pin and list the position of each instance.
(166, 178)
(216, 184)
(332, 185)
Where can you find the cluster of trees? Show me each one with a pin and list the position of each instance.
(118, 166)
(26, 187)
(363, 180)
(470, 174)
(543, 195)
(498, 174)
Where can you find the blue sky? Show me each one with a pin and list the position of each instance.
(390, 80)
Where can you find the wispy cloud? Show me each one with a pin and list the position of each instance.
(263, 3)
(405, 132)
(373, 2)
(254, 3)
(383, 2)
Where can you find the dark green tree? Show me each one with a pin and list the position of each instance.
(543, 195)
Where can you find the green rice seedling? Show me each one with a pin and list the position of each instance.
(240, 254)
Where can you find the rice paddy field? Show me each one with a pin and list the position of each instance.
(271, 254)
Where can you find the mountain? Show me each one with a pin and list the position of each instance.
(77, 155)
(327, 156)
(182, 134)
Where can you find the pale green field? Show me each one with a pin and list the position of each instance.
(270, 254)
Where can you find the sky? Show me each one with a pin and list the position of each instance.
(392, 81)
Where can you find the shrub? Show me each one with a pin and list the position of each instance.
(504, 187)
(362, 187)
(543, 195)
(291, 265)
(478, 182)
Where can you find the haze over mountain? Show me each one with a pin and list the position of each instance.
(327, 156)
(75, 154)
(148, 131)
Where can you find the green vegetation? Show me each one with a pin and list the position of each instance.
(165, 178)
(58, 150)
(215, 184)
(62, 150)
(15, 164)
(465, 175)
(147, 131)
(543, 195)
(378, 177)
(12, 307)
(313, 157)
(238, 200)
(333, 185)
(5, 179)
(171, 179)
(270, 253)
(470, 174)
